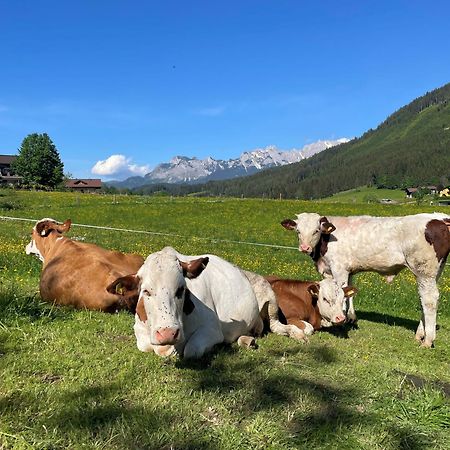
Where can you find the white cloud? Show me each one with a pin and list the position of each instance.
(119, 166)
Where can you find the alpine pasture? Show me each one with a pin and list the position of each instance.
(75, 379)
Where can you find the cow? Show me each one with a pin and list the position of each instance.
(343, 246)
(188, 304)
(77, 273)
(311, 305)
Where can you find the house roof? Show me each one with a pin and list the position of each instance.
(84, 183)
(7, 159)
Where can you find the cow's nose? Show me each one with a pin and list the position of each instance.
(305, 248)
(167, 336)
(339, 319)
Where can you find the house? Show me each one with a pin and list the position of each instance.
(410, 192)
(7, 175)
(84, 184)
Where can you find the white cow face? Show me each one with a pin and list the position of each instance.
(309, 227)
(161, 284)
(331, 300)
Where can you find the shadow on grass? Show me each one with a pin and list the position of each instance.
(14, 305)
(102, 415)
(377, 317)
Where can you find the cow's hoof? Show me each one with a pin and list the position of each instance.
(426, 344)
(247, 342)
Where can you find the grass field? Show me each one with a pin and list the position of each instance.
(75, 379)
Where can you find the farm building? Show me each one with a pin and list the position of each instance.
(84, 184)
(7, 175)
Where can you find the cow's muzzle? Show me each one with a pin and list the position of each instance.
(167, 336)
(305, 248)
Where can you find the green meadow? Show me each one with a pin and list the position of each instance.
(75, 379)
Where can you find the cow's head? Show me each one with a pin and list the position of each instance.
(163, 297)
(331, 300)
(309, 227)
(43, 229)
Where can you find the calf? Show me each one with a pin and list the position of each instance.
(76, 273)
(188, 304)
(311, 305)
(343, 246)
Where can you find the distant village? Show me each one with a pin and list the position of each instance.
(92, 185)
(8, 178)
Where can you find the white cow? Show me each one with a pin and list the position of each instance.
(188, 304)
(342, 246)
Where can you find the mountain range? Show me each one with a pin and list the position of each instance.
(410, 148)
(182, 169)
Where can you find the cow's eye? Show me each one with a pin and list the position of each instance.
(146, 293)
(179, 292)
(326, 300)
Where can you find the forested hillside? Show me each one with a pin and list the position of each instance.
(411, 147)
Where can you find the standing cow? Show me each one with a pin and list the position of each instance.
(343, 246)
(76, 273)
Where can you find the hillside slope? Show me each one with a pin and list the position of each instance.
(411, 147)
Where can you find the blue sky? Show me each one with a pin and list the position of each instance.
(152, 79)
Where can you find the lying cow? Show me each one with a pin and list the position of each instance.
(311, 305)
(343, 246)
(76, 273)
(188, 304)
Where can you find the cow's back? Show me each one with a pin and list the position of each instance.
(78, 274)
(224, 289)
(382, 244)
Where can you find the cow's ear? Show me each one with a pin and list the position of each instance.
(289, 224)
(192, 269)
(188, 305)
(127, 285)
(349, 291)
(326, 227)
(314, 290)
(64, 227)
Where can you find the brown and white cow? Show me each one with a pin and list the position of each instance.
(343, 246)
(311, 305)
(77, 273)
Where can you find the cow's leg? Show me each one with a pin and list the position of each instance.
(429, 296)
(202, 341)
(279, 328)
(303, 325)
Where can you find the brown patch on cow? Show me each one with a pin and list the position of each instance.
(140, 311)
(321, 248)
(296, 301)
(437, 234)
